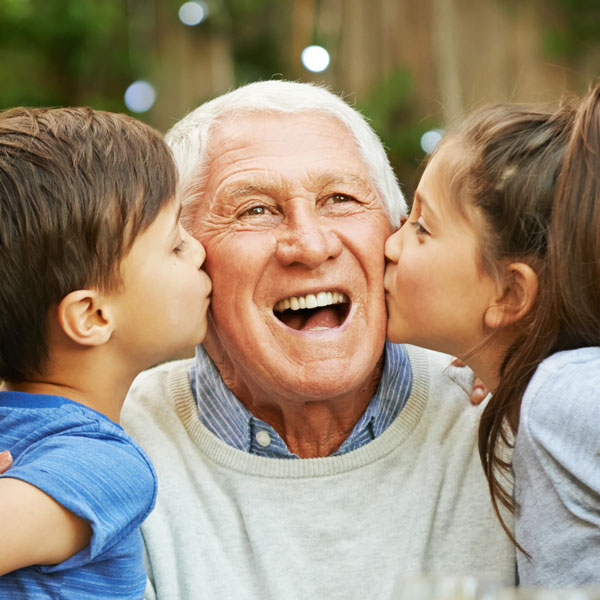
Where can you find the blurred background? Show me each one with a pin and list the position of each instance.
(408, 65)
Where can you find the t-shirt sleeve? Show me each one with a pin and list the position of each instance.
(104, 479)
(557, 471)
(561, 421)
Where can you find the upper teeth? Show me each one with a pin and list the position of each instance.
(311, 301)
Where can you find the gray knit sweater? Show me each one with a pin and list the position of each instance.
(232, 525)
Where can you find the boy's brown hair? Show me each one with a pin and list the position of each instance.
(77, 186)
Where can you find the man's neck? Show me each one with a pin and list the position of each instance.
(311, 427)
(320, 430)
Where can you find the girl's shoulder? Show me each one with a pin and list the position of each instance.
(568, 372)
(562, 396)
(573, 359)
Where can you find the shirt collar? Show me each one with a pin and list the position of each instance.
(227, 418)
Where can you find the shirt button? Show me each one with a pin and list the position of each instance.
(263, 438)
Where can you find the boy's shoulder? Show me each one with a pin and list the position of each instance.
(54, 435)
(80, 458)
(40, 416)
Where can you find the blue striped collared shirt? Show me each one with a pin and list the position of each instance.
(227, 418)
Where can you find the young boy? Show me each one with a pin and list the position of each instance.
(98, 281)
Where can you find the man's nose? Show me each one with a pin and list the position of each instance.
(307, 239)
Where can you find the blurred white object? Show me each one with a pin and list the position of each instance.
(430, 140)
(193, 13)
(445, 587)
(449, 587)
(315, 58)
(140, 96)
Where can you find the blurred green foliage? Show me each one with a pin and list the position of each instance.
(393, 111)
(86, 52)
(62, 52)
(255, 27)
(571, 26)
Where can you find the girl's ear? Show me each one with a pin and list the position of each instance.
(517, 297)
(84, 319)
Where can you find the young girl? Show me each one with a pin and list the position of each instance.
(499, 264)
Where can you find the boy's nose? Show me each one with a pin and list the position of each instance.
(197, 249)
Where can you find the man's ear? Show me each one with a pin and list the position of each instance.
(519, 291)
(83, 318)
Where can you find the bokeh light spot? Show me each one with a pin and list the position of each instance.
(430, 140)
(315, 58)
(193, 13)
(140, 96)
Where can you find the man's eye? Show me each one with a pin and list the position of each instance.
(255, 211)
(339, 198)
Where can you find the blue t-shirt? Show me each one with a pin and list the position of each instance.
(93, 468)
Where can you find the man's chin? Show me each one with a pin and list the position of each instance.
(326, 382)
(320, 355)
(326, 364)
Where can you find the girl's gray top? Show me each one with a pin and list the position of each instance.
(557, 472)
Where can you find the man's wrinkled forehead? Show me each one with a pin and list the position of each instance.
(320, 170)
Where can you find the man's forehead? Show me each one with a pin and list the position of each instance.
(237, 117)
(270, 125)
(250, 151)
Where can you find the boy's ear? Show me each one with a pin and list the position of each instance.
(520, 288)
(83, 318)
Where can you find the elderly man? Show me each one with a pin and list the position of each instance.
(298, 455)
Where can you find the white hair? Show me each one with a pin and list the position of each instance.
(189, 138)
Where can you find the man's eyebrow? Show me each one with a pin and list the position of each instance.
(277, 186)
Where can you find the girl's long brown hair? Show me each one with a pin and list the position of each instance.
(534, 176)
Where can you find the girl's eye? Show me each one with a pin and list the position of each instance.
(419, 228)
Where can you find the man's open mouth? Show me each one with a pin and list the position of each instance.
(313, 312)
